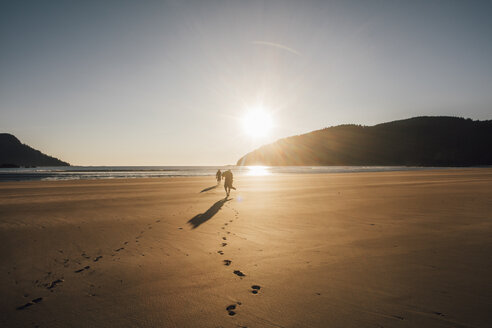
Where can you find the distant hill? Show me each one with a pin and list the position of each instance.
(13, 153)
(419, 141)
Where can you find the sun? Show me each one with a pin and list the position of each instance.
(257, 122)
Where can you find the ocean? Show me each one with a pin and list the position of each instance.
(120, 172)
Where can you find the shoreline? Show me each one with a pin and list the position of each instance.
(243, 171)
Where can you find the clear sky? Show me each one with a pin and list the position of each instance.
(166, 82)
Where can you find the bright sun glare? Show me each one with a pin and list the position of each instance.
(257, 122)
(258, 170)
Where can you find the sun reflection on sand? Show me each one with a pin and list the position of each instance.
(258, 170)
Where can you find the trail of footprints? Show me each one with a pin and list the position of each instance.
(255, 289)
(66, 263)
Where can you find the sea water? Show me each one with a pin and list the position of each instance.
(120, 172)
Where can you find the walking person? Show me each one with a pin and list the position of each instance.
(228, 177)
(218, 176)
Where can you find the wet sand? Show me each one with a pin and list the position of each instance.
(393, 249)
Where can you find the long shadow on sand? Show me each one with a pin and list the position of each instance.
(198, 219)
(209, 188)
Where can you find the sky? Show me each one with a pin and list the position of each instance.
(167, 82)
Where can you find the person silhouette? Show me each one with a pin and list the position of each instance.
(228, 177)
(218, 176)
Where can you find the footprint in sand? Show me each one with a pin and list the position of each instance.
(230, 309)
(224, 244)
(255, 288)
(87, 267)
(34, 301)
(53, 284)
(97, 258)
(220, 252)
(239, 273)
(22, 307)
(224, 238)
(119, 249)
(227, 262)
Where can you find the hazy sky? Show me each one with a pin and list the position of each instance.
(166, 83)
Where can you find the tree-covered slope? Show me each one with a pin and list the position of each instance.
(14, 153)
(419, 141)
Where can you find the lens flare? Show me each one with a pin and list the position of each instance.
(257, 122)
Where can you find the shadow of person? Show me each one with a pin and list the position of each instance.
(199, 219)
(209, 188)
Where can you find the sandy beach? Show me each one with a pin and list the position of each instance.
(392, 249)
